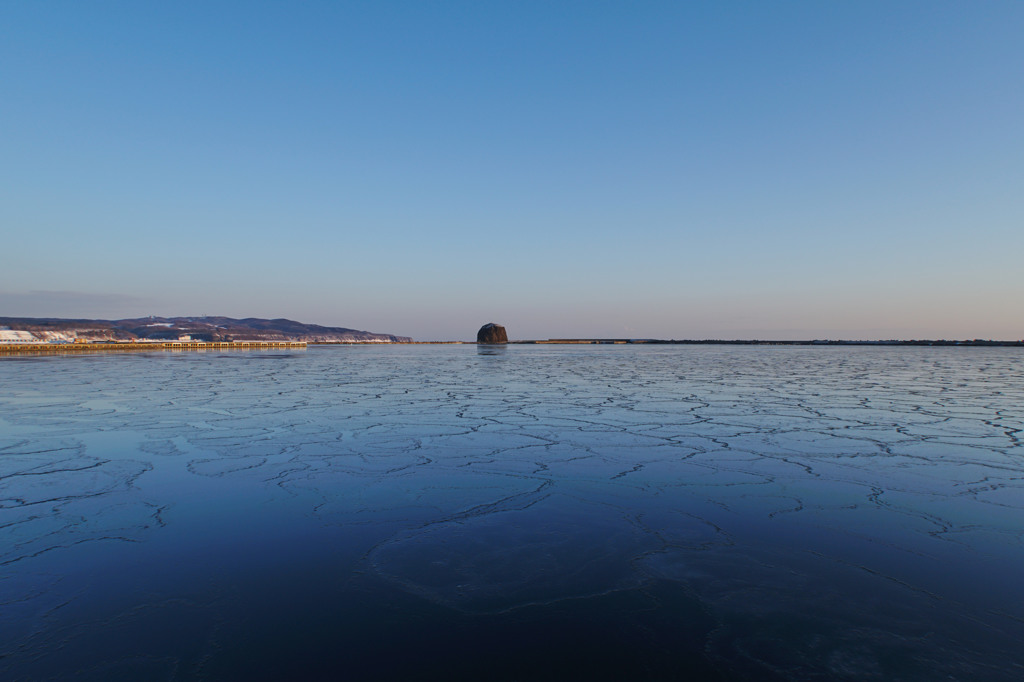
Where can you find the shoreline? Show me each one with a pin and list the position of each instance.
(781, 342)
(50, 348)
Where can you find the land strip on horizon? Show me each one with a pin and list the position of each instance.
(24, 332)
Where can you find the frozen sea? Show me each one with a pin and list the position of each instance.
(514, 513)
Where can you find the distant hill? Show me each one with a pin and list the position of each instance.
(202, 328)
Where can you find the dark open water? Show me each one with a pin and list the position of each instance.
(520, 513)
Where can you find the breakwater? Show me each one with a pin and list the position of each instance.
(22, 348)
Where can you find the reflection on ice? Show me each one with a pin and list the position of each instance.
(548, 550)
(492, 349)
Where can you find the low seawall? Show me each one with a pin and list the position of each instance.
(20, 348)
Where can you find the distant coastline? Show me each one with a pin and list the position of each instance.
(783, 342)
(16, 330)
(55, 348)
(27, 334)
(746, 342)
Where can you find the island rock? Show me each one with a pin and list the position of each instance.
(491, 333)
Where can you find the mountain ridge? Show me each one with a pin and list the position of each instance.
(205, 328)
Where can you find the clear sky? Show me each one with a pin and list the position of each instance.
(615, 169)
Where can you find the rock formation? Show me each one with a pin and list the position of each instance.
(491, 333)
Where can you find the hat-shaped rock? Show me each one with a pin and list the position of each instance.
(491, 333)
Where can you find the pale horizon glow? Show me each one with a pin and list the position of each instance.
(661, 170)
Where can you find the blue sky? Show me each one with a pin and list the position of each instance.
(672, 170)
